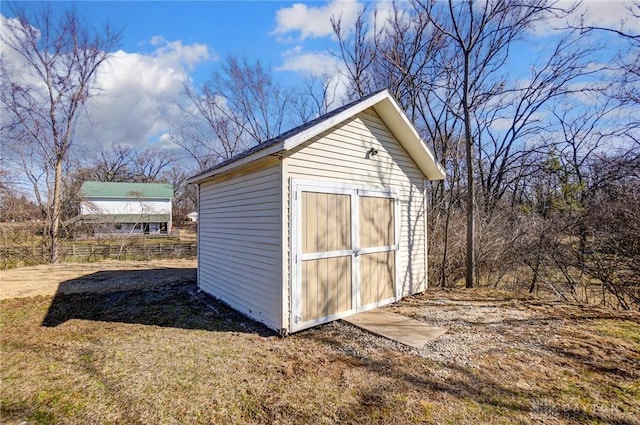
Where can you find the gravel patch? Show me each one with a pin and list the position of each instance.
(475, 330)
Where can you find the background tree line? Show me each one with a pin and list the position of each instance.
(541, 153)
(542, 187)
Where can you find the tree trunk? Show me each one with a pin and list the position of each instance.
(445, 251)
(534, 279)
(470, 259)
(55, 214)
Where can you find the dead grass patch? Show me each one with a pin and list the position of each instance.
(173, 355)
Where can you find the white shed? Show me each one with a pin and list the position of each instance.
(321, 222)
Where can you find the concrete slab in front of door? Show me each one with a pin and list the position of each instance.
(395, 327)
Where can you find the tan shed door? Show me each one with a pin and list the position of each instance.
(326, 241)
(377, 250)
(344, 250)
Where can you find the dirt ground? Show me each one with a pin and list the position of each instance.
(69, 278)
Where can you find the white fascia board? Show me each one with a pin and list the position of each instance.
(405, 132)
(236, 164)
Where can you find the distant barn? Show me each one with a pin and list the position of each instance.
(126, 208)
(321, 222)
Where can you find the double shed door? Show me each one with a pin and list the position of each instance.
(345, 249)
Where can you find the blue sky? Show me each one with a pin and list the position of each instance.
(242, 28)
(166, 44)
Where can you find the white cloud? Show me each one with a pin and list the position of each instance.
(188, 55)
(15, 64)
(313, 22)
(320, 65)
(140, 95)
(313, 63)
(603, 13)
(501, 124)
(293, 51)
(157, 40)
(384, 11)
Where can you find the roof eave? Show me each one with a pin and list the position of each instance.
(208, 175)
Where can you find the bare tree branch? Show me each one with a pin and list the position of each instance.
(59, 59)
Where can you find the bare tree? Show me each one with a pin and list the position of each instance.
(209, 134)
(443, 61)
(316, 97)
(482, 34)
(357, 54)
(14, 205)
(185, 198)
(60, 57)
(252, 100)
(149, 164)
(519, 108)
(613, 222)
(238, 107)
(405, 54)
(108, 165)
(627, 62)
(529, 142)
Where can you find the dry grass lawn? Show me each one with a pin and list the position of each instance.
(169, 355)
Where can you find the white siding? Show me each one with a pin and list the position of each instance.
(239, 242)
(125, 206)
(340, 155)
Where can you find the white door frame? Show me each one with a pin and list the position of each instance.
(297, 186)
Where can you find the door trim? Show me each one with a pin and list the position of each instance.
(297, 186)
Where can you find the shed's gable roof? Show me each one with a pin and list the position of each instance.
(385, 106)
(93, 189)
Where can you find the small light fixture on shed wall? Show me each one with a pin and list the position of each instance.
(372, 152)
